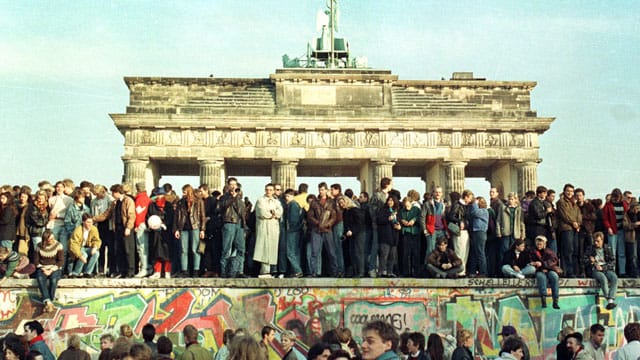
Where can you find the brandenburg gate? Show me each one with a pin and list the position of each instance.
(333, 122)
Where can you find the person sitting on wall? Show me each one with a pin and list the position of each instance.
(443, 262)
(601, 264)
(517, 262)
(84, 248)
(547, 270)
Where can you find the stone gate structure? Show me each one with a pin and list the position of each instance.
(332, 122)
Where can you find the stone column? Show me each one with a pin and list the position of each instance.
(284, 172)
(380, 169)
(134, 170)
(212, 173)
(454, 178)
(433, 176)
(527, 176)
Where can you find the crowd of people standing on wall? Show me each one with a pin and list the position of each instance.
(62, 230)
(379, 341)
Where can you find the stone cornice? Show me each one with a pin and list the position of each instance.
(159, 80)
(153, 121)
(489, 84)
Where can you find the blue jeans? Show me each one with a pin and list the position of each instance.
(608, 282)
(142, 247)
(48, 284)
(283, 248)
(190, 240)
(551, 278)
(505, 244)
(90, 266)
(318, 240)
(61, 234)
(292, 240)
(232, 239)
(616, 241)
(338, 232)
(508, 270)
(568, 239)
(477, 257)
(431, 242)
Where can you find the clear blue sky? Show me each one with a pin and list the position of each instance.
(62, 64)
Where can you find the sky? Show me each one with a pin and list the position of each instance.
(62, 66)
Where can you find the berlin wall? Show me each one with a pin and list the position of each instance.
(92, 308)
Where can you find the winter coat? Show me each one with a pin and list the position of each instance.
(196, 215)
(609, 216)
(77, 242)
(568, 213)
(321, 218)
(609, 259)
(387, 234)
(268, 212)
(504, 227)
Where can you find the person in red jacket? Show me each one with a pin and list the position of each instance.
(612, 216)
(142, 236)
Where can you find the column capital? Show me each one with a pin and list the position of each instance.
(283, 162)
(213, 161)
(383, 162)
(212, 172)
(528, 163)
(455, 163)
(132, 159)
(284, 172)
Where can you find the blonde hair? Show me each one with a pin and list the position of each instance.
(463, 335)
(73, 342)
(482, 203)
(289, 335)
(99, 189)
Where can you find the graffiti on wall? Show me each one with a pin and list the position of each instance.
(311, 311)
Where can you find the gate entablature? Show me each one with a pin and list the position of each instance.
(369, 116)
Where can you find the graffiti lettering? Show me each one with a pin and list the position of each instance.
(483, 307)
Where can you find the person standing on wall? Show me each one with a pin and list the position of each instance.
(142, 236)
(457, 219)
(268, 214)
(122, 213)
(569, 221)
(233, 211)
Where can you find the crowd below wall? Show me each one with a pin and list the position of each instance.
(291, 233)
(379, 341)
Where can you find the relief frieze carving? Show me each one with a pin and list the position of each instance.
(371, 138)
(347, 139)
(395, 138)
(298, 139)
(444, 139)
(223, 138)
(248, 139)
(517, 140)
(492, 140)
(321, 139)
(272, 138)
(419, 140)
(468, 139)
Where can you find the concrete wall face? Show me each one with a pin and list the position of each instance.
(482, 305)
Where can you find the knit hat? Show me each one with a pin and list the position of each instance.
(6, 244)
(508, 330)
